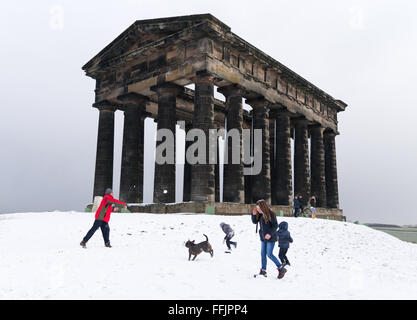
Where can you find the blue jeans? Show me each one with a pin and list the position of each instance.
(266, 251)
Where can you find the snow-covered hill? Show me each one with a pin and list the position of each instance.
(40, 258)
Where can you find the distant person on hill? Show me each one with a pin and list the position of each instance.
(297, 205)
(102, 218)
(302, 202)
(284, 239)
(229, 235)
(268, 226)
(313, 202)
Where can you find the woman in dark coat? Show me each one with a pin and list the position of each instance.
(268, 225)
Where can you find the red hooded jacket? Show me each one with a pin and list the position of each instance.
(106, 206)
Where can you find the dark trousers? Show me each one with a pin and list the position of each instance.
(105, 230)
(229, 242)
(296, 212)
(283, 255)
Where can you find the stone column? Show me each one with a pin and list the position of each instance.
(187, 169)
(202, 174)
(272, 142)
(248, 178)
(131, 175)
(233, 183)
(103, 177)
(217, 174)
(318, 178)
(261, 183)
(301, 160)
(331, 169)
(283, 159)
(164, 187)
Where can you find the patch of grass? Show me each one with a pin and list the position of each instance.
(402, 233)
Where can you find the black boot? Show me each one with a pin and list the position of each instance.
(108, 245)
(83, 244)
(262, 272)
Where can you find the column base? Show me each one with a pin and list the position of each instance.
(226, 208)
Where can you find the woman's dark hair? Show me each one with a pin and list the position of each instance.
(266, 210)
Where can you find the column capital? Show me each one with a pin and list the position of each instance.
(258, 102)
(203, 76)
(300, 121)
(330, 133)
(133, 98)
(317, 127)
(231, 90)
(167, 87)
(281, 113)
(105, 105)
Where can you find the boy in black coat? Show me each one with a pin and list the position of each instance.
(284, 239)
(297, 205)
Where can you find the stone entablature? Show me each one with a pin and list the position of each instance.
(155, 51)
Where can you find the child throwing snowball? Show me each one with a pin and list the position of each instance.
(229, 235)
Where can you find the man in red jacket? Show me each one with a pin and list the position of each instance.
(102, 218)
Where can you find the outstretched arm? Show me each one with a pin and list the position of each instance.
(117, 203)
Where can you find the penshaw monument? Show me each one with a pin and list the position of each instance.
(144, 73)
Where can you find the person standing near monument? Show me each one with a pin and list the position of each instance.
(268, 226)
(313, 202)
(102, 218)
(297, 205)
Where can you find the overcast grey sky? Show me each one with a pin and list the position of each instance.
(362, 52)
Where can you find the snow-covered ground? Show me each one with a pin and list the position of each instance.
(40, 258)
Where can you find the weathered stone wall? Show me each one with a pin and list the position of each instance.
(226, 208)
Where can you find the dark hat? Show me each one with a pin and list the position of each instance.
(108, 191)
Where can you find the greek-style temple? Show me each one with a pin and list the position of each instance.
(144, 73)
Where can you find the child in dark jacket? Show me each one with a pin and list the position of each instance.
(229, 235)
(284, 239)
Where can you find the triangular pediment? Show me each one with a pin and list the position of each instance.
(143, 32)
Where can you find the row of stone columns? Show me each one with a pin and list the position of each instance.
(201, 181)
